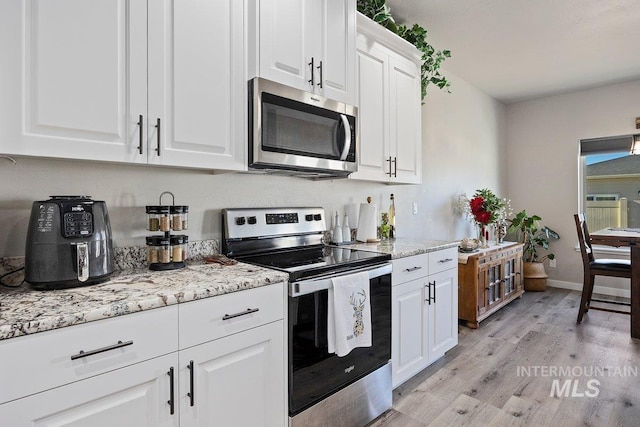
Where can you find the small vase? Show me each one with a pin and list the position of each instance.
(501, 231)
(483, 242)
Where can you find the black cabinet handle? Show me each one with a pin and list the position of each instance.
(434, 291)
(83, 353)
(395, 167)
(390, 170)
(140, 126)
(191, 394)
(429, 296)
(409, 270)
(320, 69)
(312, 81)
(442, 261)
(242, 313)
(171, 400)
(158, 136)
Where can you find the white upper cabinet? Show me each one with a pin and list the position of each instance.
(197, 89)
(92, 80)
(389, 92)
(74, 78)
(308, 44)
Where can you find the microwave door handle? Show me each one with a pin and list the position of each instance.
(347, 137)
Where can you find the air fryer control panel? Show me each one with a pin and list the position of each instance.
(77, 219)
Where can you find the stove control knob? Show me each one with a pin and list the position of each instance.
(308, 217)
(252, 220)
(240, 220)
(317, 217)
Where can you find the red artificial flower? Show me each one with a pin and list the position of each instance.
(483, 217)
(476, 205)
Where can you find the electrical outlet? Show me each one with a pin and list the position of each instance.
(552, 263)
(415, 208)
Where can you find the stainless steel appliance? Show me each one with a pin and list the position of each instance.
(68, 243)
(300, 133)
(324, 389)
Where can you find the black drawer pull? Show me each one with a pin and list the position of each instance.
(409, 270)
(83, 353)
(242, 313)
(445, 260)
(191, 394)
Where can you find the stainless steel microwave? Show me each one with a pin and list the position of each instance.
(295, 132)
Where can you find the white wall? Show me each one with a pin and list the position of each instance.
(463, 150)
(542, 157)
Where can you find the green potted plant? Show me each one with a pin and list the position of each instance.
(535, 239)
(380, 12)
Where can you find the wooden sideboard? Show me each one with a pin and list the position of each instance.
(488, 280)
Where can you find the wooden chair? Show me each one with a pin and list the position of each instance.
(597, 267)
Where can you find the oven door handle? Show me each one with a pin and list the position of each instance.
(306, 287)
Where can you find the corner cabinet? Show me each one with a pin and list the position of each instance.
(389, 106)
(489, 280)
(132, 88)
(194, 364)
(306, 44)
(424, 313)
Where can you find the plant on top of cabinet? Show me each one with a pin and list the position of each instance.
(380, 12)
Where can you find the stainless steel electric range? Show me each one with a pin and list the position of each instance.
(324, 389)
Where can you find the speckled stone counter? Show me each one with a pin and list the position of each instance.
(401, 248)
(27, 311)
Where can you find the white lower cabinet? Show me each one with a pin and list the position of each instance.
(137, 395)
(235, 381)
(216, 361)
(424, 311)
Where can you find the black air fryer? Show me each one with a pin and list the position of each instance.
(68, 243)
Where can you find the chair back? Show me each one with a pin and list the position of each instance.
(584, 239)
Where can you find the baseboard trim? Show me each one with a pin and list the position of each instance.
(604, 290)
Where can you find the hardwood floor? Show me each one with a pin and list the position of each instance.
(511, 371)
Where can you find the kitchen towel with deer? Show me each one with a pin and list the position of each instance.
(349, 313)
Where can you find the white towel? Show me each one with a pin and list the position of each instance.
(349, 313)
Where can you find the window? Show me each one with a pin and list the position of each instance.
(610, 183)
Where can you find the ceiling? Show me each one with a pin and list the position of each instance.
(516, 50)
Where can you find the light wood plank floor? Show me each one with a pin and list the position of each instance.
(502, 373)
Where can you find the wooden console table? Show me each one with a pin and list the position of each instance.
(488, 280)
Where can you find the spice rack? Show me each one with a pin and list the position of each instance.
(167, 251)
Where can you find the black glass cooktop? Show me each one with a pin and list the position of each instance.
(315, 261)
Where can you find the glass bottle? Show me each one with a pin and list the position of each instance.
(392, 218)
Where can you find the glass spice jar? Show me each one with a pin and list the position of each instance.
(152, 251)
(185, 217)
(176, 218)
(185, 243)
(164, 213)
(177, 250)
(153, 218)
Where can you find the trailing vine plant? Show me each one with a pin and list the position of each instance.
(380, 12)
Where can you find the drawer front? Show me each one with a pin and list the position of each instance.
(410, 268)
(217, 317)
(442, 260)
(41, 361)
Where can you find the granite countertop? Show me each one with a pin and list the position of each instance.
(26, 311)
(401, 247)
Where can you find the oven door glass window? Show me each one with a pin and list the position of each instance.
(315, 373)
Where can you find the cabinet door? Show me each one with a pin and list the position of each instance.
(336, 48)
(404, 121)
(408, 336)
(286, 41)
(74, 78)
(373, 111)
(197, 90)
(238, 380)
(443, 313)
(135, 396)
